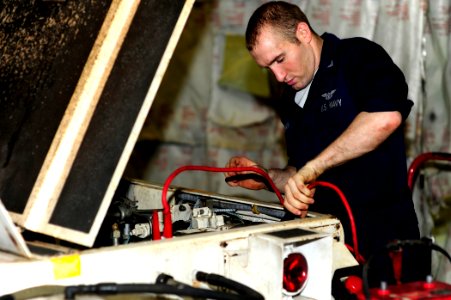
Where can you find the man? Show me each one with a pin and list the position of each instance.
(343, 103)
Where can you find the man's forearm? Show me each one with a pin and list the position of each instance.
(364, 134)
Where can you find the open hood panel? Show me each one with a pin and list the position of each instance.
(77, 82)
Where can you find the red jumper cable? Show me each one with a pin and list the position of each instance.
(167, 219)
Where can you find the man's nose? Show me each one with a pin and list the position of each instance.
(279, 74)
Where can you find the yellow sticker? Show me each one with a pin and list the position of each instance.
(66, 266)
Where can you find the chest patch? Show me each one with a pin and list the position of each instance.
(329, 101)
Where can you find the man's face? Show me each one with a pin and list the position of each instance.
(292, 63)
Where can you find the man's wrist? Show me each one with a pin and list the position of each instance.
(317, 167)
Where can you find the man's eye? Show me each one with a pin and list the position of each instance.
(279, 60)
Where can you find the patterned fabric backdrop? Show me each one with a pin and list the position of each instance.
(208, 109)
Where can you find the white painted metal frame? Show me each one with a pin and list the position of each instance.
(240, 254)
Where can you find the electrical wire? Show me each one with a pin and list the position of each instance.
(167, 219)
(357, 255)
(224, 282)
(221, 204)
(70, 292)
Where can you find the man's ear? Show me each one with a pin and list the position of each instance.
(303, 32)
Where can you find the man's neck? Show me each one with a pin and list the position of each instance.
(317, 44)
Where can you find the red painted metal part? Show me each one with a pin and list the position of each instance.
(418, 290)
(419, 161)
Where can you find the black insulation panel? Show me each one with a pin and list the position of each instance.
(116, 113)
(44, 46)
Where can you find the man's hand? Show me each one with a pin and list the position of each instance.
(245, 179)
(298, 196)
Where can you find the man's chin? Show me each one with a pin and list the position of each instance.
(296, 88)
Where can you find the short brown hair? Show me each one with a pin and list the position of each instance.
(284, 17)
